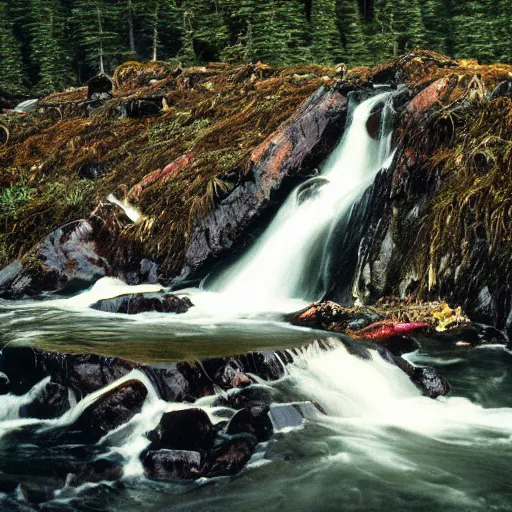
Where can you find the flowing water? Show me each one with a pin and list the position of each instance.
(277, 266)
(381, 446)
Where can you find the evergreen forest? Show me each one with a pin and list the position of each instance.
(48, 45)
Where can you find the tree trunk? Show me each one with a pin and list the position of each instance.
(155, 32)
(100, 33)
(131, 35)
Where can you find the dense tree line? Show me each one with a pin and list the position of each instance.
(46, 45)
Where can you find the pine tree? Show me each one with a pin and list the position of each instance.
(207, 26)
(435, 21)
(326, 39)
(271, 31)
(351, 28)
(399, 27)
(475, 31)
(49, 50)
(503, 31)
(11, 67)
(96, 22)
(293, 31)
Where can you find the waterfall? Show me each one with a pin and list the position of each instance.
(286, 262)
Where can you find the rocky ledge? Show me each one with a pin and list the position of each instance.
(392, 320)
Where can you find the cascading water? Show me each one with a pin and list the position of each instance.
(276, 266)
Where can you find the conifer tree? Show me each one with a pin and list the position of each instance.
(272, 31)
(435, 21)
(96, 22)
(399, 27)
(326, 38)
(293, 31)
(352, 35)
(207, 26)
(475, 31)
(49, 50)
(503, 31)
(11, 67)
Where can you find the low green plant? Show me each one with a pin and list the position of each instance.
(15, 196)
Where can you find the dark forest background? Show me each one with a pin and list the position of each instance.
(48, 45)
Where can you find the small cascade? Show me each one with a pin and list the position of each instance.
(287, 261)
(370, 392)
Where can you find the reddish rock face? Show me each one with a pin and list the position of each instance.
(288, 155)
(427, 98)
(159, 176)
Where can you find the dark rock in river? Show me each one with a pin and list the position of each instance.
(293, 415)
(84, 373)
(97, 471)
(187, 429)
(52, 402)
(172, 465)
(426, 379)
(143, 303)
(66, 261)
(5, 384)
(36, 493)
(254, 420)
(230, 458)
(111, 410)
(286, 157)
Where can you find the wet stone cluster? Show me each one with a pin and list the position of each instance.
(83, 406)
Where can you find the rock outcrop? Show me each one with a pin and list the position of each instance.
(66, 261)
(143, 303)
(289, 155)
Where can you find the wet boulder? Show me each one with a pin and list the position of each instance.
(267, 365)
(5, 384)
(180, 382)
(144, 302)
(424, 101)
(284, 159)
(172, 464)
(52, 402)
(111, 410)
(230, 458)
(292, 415)
(96, 471)
(430, 382)
(67, 261)
(186, 429)
(426, 379)
(373, 122)
(253, 420)
(328, 315)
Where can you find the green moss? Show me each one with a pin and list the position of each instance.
(14, 197)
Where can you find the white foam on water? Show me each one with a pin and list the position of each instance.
(375, 394)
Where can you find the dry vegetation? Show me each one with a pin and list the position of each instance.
(217, 113)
